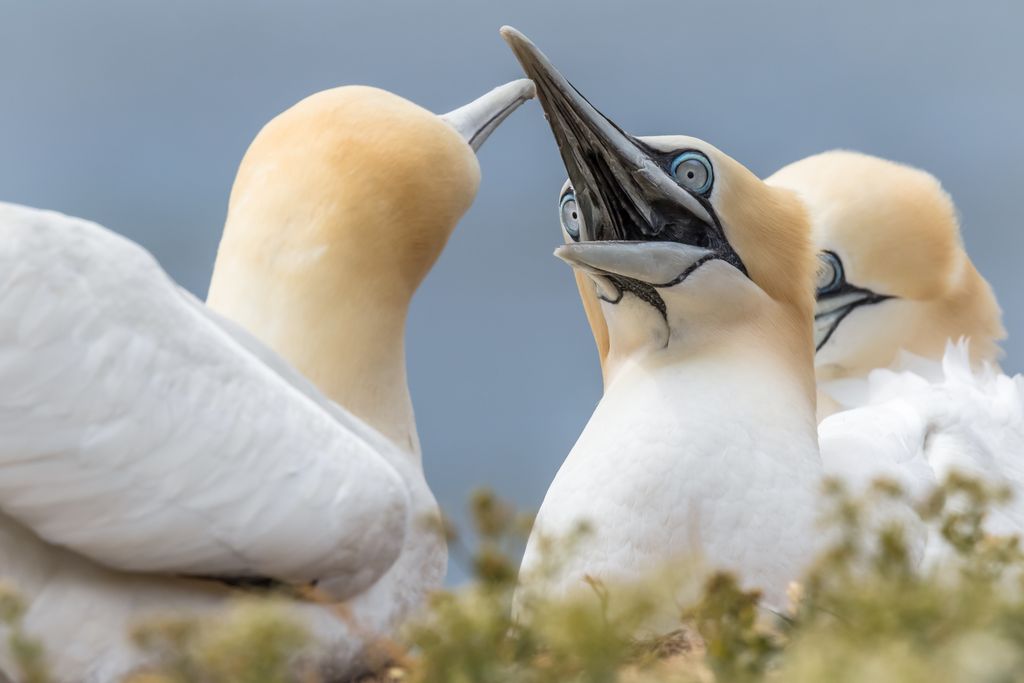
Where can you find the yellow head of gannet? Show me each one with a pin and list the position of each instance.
(341, 206)
(893, 272)
(657, 211)
(644, 215)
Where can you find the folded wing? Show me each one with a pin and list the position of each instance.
(139, 430)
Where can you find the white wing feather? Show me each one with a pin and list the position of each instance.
(138, 429)
(920, 421)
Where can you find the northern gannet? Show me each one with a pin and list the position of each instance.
(894, 275)
(907, 334)
(153, 451)
(705, 439)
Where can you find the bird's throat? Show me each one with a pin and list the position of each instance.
(344, 335)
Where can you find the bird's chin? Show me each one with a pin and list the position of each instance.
(641, 290)
(828, 319)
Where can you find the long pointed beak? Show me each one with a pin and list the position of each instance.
(622, 187)
(478, 119)
(659, 264)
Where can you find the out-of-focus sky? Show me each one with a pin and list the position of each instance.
(136, 114)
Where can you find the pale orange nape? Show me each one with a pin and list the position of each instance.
(340, 207)
(897, 232)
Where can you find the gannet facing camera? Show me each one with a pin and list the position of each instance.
(893, 274)
(704, 441)
(154, 454)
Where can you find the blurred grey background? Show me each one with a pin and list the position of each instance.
(136, 114)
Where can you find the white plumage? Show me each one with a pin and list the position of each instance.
(920, 421)
(104, 360)
(709, 460)
(150, 446)
(144, 433)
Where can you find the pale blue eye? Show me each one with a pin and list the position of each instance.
(570, 215)
(830, 276)
(693, 171)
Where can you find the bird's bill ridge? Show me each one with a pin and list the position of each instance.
(621, 186)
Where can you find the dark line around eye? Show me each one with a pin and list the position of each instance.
(869, 300)
(838, 284)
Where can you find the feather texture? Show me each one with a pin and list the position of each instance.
(920, 420)
(140, 431)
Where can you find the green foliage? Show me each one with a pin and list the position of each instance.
(472, 634)
(727, 618)
(252, 642)
(28, 655)
(867, 615)
(864, 612)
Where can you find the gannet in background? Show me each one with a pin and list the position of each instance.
(896, 293)
(894, 275)
(704, 441)
(153, 452)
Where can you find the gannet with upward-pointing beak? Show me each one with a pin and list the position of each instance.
(704, 441)
(896, 291)
(154, 454)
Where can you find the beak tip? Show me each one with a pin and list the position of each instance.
(510, 34)
(522, 47)
(564, 252)
(528, 89)
(477, 120)
(517, 92)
